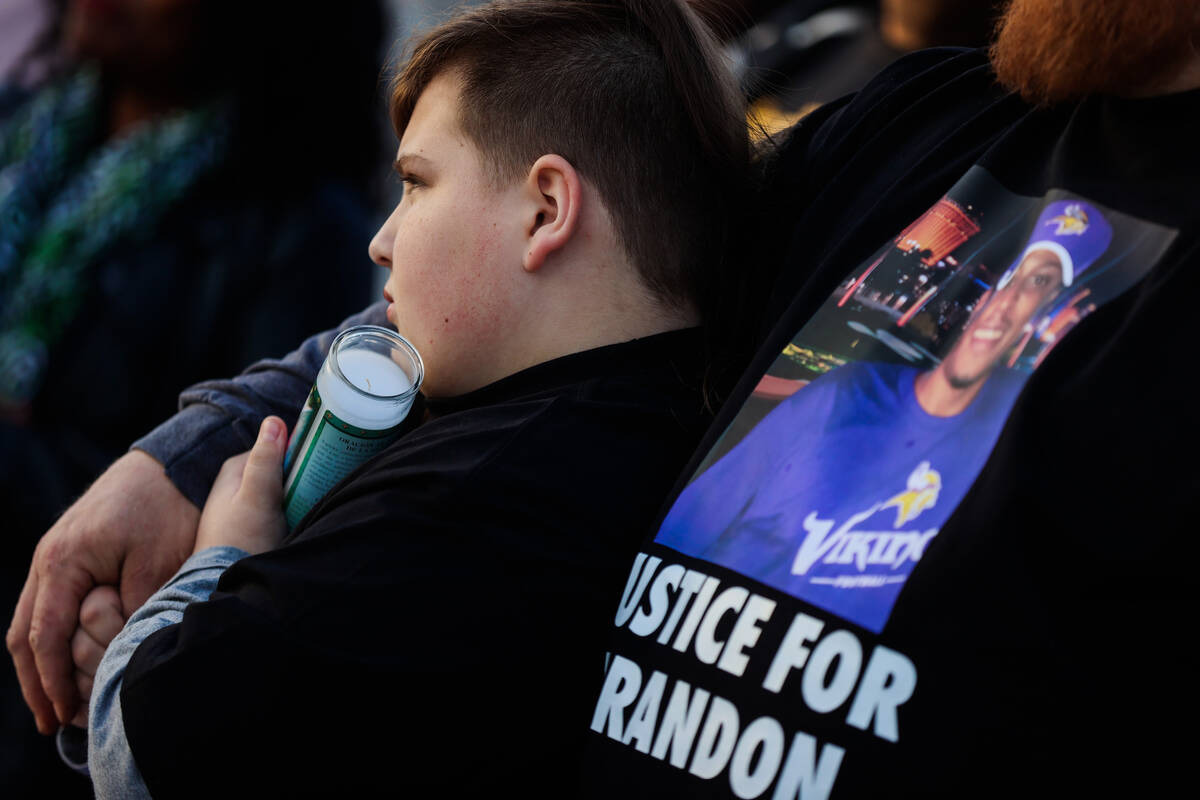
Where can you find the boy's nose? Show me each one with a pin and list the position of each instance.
(380, 249)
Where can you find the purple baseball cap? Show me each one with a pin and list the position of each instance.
(1074, 231)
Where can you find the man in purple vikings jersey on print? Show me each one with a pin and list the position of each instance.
(835, 495)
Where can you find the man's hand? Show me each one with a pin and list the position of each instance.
(131, 529)
(100, 620)
(245, 506)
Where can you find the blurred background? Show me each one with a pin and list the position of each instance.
(186, 186)
(189, 185)
(794, 55)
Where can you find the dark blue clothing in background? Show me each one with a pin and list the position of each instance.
(231, 275)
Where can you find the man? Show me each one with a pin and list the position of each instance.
(1068, 238)
(416, 629)
(837, 493)
(879, 626)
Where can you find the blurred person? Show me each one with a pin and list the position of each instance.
(186, 192)
(802, 53)
(23, 25)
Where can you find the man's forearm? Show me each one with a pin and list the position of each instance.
(220, 418)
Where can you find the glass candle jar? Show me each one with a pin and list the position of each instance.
(363, 392)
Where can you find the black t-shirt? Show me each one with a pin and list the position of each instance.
(939, 543)
(431, 624)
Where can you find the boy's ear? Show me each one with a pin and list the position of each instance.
(556, 191)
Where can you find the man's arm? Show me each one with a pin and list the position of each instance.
(137, 523)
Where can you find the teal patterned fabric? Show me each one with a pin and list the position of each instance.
(65, 196)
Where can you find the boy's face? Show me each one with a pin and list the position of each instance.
(454, 247)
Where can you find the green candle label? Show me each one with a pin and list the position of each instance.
(327, 452)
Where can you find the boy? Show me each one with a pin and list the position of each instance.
(570, 170)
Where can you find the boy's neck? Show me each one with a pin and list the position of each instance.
(583, 305)
(594, 318)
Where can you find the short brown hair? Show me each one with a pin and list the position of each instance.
(633, 93)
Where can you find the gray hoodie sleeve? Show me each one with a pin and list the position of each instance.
(110, 761)
(220, 418)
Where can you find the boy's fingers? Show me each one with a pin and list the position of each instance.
(86, 652)
(263, 475)
(100, 615)
(84, 683)
(230, 476)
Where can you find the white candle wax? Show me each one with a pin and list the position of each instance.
(373, 373)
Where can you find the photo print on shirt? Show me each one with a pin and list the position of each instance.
(875, 420)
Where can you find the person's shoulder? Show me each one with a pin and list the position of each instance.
(939, 82)
(430, 478)
(643, 388)
(592, 426)
(622, 418)
(923, 100)
(939, 74)
(597, 430)
(533, 465)
(455, 446)
(934, 66)
(458, 454)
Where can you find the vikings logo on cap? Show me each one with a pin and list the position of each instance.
(1075, 232)
(1073, 220)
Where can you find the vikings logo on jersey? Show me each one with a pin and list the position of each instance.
(923, 487)
(1073, 221)
(865, 548)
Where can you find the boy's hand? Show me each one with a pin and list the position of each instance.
(100, 619)
(245, 506)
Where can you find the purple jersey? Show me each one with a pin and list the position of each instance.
(835, 495)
